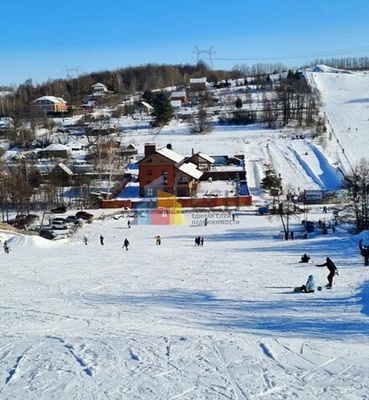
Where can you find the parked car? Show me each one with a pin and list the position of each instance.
(58, 225)
(47, 233)
(72, 219)
(59, 219)
(84, 215)
(59, 210)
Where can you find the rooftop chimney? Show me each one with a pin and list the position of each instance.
(149, 148)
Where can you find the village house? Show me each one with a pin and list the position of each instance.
(166, 170)
(181, 96)
(55, 150)
(198, 84)
(202, 161)
(146, 108)
(51, 104)
(99, 89)
(61, 174)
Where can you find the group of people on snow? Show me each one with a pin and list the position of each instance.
(309, 287)
(199, 241)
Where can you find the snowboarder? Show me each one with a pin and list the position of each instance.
(305, 258)
(364, 251)
(85, 240)
(332, 271)
(126, 243)
(102, 240)
(309, 287)
(158, 240)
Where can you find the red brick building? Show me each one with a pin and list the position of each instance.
(163, 169)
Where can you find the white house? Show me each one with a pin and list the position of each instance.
(99, 89)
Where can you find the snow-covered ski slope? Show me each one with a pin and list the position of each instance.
(300, 162)
(177, 321)
(345, 102)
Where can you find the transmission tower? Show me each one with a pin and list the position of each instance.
(209, 53)
(68, 70)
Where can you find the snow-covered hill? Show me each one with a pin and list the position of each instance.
(179, 321)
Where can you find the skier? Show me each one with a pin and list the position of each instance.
(102, 240)
(332, 271)
(364, 251)
(126, 243)
(309, 287)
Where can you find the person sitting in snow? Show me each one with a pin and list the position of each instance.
(305, 258)
(309, 287)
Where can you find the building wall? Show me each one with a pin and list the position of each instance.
(153, 170)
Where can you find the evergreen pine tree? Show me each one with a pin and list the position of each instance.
(163, 110)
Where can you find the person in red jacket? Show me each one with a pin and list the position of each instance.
(332, 271)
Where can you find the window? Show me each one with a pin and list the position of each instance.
(182, 180)
(149, 172)
(164, 175)
(149, 192)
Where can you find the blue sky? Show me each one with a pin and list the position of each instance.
(45, 40)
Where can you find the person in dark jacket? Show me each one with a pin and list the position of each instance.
(126, 243)
(102, 240)
(332, 271)
(305, 258)
(364, 251)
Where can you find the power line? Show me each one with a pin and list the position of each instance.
(322, 54)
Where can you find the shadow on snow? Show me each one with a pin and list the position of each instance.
(266, 317)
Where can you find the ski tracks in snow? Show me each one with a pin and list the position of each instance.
(306, 369)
